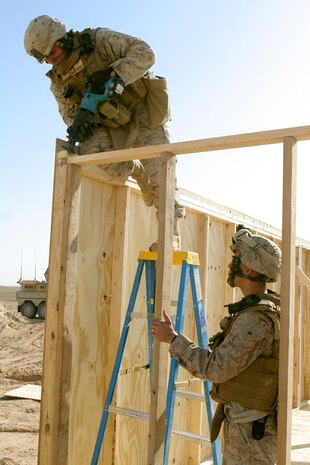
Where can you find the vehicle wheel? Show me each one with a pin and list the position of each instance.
(28, 309)
(42, 310)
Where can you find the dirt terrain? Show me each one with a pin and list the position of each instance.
(21, 353)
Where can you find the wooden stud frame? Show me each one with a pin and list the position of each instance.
(287, 300)
(63, 420)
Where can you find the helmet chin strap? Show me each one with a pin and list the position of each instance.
(54, 59)
(236, 271)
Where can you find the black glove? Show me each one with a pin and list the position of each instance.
(96, 80)
(81, 127)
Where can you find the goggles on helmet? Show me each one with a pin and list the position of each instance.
(245, 237)
(38, 56)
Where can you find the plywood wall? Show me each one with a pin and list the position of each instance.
(98, 229)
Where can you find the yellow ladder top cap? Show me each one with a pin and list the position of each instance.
(192, 258)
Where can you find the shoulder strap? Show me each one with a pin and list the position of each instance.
(273, 297)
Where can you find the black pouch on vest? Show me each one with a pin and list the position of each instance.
(258, 428)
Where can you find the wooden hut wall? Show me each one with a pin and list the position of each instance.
(98, 230)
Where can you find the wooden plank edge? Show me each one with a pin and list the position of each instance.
(275, 136)
(303, 278)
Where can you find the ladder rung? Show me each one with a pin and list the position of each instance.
(135, 315)
(145, 416)
(191, 395)
(188, 382)
(129, 412)
(149, 316)
(125, 371)
(173, 303)
(190, 436)
(188, 303)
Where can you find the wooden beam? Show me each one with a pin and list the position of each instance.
(53, 440)
(197, 408)
(298, 335)
(230, 292)
(276, 136)
(198, 203)
(162, 302)
(287, 301)
(306, 322)
(203, 250)
(117, 310)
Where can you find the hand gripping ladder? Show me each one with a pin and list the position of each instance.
(189, 272)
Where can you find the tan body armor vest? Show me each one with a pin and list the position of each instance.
(76, 70)
(257, 386)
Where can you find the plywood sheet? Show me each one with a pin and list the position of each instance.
(28, 391)
(89, 306)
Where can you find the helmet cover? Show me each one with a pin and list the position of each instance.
(258, 253)
(41, 34)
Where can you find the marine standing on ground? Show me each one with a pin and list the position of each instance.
(243, 361)
(83, 58)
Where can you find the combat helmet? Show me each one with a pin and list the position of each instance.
(258, 253)
(41, 34)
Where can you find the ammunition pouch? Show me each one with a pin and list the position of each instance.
(113, 115)
(154, 90)
(133, 93)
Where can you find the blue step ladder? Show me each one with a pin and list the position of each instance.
(189, 273)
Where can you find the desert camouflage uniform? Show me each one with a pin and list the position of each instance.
(131, 58)
(251, 335)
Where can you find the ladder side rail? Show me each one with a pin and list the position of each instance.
(117, 363)
(174, 365)
(203, 342)
(150, 281)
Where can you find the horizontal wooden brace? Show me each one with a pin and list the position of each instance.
(275, 136)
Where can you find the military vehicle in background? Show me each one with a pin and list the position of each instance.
(31, 298)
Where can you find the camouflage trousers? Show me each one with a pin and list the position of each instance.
(149, 178)
(241, 449)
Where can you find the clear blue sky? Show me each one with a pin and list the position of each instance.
(233, 66)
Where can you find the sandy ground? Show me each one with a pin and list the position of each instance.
(21, 351)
